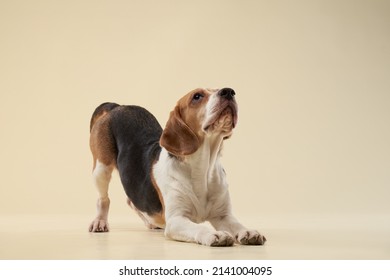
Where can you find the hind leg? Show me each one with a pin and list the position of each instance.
(101, 178)
(150, 222)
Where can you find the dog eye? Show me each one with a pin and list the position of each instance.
(197, 96)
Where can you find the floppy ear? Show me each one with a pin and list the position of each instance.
(177, 137)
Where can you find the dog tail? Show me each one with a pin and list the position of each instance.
(100, 111)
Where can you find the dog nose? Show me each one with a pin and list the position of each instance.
(227, 93)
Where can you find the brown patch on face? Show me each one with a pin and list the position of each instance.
(183, 133)
(102, 143)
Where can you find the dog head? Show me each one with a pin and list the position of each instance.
(198, 114)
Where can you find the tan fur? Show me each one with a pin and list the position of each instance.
(160, 218)
(156, 221)
(101, 142)
(183, 132)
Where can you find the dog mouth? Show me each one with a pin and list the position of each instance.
(225, 118)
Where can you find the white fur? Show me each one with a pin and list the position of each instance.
(101, 178)
(211, 108)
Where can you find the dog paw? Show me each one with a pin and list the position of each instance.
(219, 239)
(99, 226)
(250, 237)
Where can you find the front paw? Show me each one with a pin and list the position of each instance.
(250, 237)
(99, 225)
(218, 239)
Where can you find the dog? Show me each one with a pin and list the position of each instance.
(173, 177)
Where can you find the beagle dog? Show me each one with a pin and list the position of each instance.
(173, 178)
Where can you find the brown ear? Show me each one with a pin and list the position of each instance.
(177, 137)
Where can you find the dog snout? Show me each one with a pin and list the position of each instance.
(227, 93)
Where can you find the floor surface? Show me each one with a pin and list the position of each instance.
(66, 237)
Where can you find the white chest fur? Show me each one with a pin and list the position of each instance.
(195, 187)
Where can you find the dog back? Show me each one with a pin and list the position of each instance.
(128, 136)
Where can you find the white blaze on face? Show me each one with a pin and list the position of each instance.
(211, 110)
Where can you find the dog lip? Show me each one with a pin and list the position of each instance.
(234, 113)
(233, 110)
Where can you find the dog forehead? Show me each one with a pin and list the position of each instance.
(212, 90)
(187, 98)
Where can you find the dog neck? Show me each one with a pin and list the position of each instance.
(201, 168)
(208, 153)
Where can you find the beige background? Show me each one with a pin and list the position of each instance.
(311, 152)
